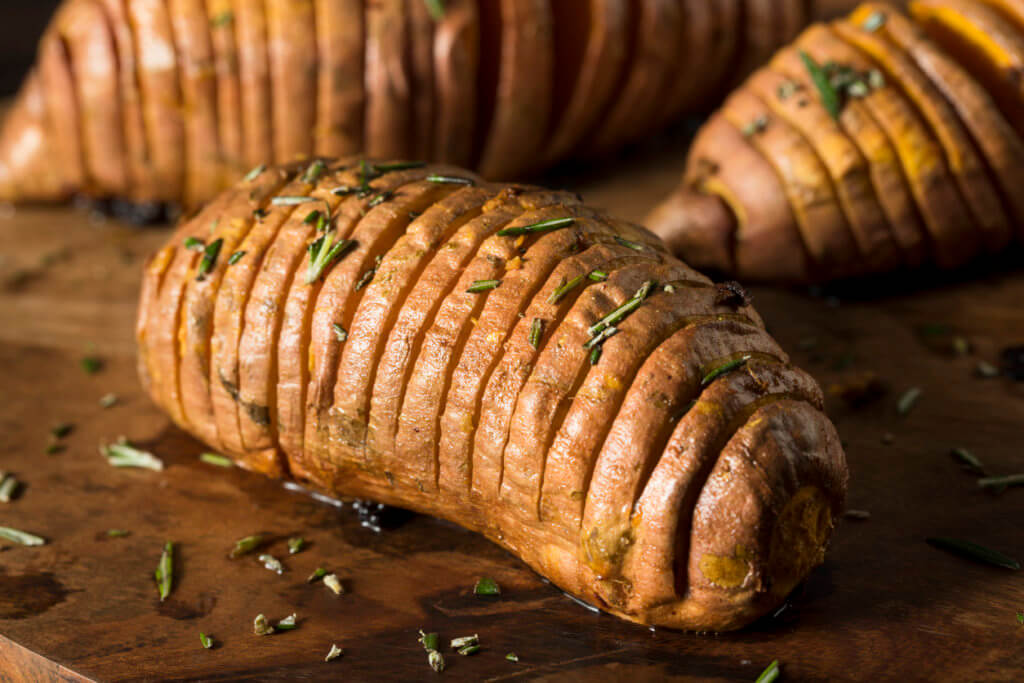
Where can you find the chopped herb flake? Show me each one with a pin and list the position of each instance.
(829, 96)
(91, 365)
(122, 454)
(20, 537)
(754, 127)
(436, 9)
(322, 253)
(770, 674)
(483, 286)
(272, 563)
(317, 574)
(334, 583)
(469, 650)
(108, 400)
(450, 179)
(216, 459)
(368, 276)
(512, 657)
(291, 200)
(430, 641)
(723, 369)
(296, 544)
(564, 289)
(629, 244)
(907, 400)
(8, 487)
(875, 21)
(340, 332)
(62, 429)
(313, 172)
(986, 370)
(536, 331)
(334, 653)
(968, 461)
(988, 482)
(620, 313)
(287, 624)
(537, 228)
(458, 643)
(205, 640)
(595, 355)
(973, 551)
(117, 533)
(244, 546)
(860, 515)
(486, 586)
(598, 275)
(261, 627)
(209, 259)
(436, 660)
(165, 571)
(254, 173)
(379, 198)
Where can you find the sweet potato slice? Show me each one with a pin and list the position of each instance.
(665, 389)
(812, 196)
(340, 40)
(221, 17)
(515, 131)
(61, 105)
(94, 75)
(488, 431)
(488, 341)
(291, 51)
(456, 62)
(388, 80)
(664, 511)
(1001, 148)
(969, 173)
(231, 227)
(559, 372)
(849, 169)
(199, 98)
(650, 72)
(421, 307)
(586, 67)
(160, 92)
(891, 186)
(254, 80)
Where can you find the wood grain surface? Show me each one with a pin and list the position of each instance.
(885, 606)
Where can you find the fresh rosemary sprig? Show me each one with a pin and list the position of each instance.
(601, 337)
(313, 172)
(165, 571)
(595, 355)
(20, 537)
(216, 459)
(450, 179)
(486, 586)
(483, 286)
(538, 228)
(724, 369)
(973, 551)
(379, 198)
(829, 96)
(536, 331)
(244, 546)
(209, 258)
(436, 660)
(323, 252)
(122, 454)
(564, 289)
(194, 244)
(463, 641)
(620, 313)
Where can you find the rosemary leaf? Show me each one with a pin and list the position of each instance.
(272, 563)
(296, 544)
(630, 244)
(340, 332)
(367, 277)
(601, 337)
(54, 447)
(108, 400)
(486, 586)
(436, 9)
(8, 488)
(313, 172)
(985, 483)
(244, 546)
(20, 537)
(968, 461)
(117, 533)
(483, 286)
(469, 650)
(536, 331)
(194, 244)
(436, 660)
(317, 574)
(595, 355)
(620, 313)
(458, 643)
(322, 253)
(288, 623)
(986, 370)
(379, 198)
(1020, 618)
(907, 400)
(564, 289)
(62, 429)
(91, 365)
(334, 583)
(122, 454)
(334, 653)
(973, 551)
(859, 515)
(261, 627)
(209, 258)
(770, 674)
(254, 173)
(450, 179)
(291, 200)
(724, 369)
(829, 96)
(312, 217)
(875, 21)
(430, 641)
(397, 166)
(165, 571)
(538, 228)
(205, 640)
(216, 459)
(512, 657)
(597, 275)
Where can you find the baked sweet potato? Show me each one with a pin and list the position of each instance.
(917, 120)
(508, 359)
(173, 100)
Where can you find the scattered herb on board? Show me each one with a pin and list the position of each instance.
(564, 288)
(317, 574)
(907, 400)
(296, 544)
(117, 533)
(323, 252)
(61, 429)
(430, 641)
(992, 482)
(334, 653)
(108, 400)
(875, 21)
(973, 551)
(272, 563)
(235, 257)
(968, 461)
(512, 657)
(859, 515)
(287, 624)
(261, 627)
(334, 583)
(122, 454)
(244, 546)
(1020, 618)
(486, 586)
(986, 370)
(313, 172)
(8, 487)
(463, 641)
(538, 228)
(165, 571)
(216, 459)
(436, 660)
(829, 96)
(436, 9)
(194, 244)
(724, 369)
(20, 537)
(205, 640)
(483, 286)
(370, 273)
(450, 179)
(770, 674)
(254, 173)
(91, 364)
(339, 332)
(469, 650)
(209, 259)
(536, 331)
(54, 447)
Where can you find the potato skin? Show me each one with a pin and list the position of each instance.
(396, 375)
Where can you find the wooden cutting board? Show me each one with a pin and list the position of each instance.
(884, 606)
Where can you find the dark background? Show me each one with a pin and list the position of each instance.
(21, 24)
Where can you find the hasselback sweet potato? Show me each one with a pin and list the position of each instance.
(506, 358)
(915, 119)
(173, 100)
